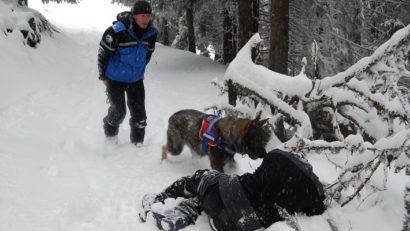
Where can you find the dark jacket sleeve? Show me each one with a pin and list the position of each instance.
(151, 48)
(108, 46)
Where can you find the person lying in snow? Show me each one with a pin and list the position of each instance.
(247, 202)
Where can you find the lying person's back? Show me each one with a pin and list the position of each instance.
(286, 180)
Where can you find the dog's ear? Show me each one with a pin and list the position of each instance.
(243, 129)
(258, 116)
(261, 122)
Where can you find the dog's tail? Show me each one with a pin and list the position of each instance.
(164, 153)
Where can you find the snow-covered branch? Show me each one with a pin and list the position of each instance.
(31, 24)
(362, 98)
(289, 219)
(393, 52)
(360, 111)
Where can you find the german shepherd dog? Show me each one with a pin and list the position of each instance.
(239, 135)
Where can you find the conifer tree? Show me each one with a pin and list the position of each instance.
(406, 221)
(279, 36)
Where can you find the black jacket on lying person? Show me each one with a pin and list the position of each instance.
(287, 181)
(246, 202)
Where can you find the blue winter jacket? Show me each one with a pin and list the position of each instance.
(125, 50)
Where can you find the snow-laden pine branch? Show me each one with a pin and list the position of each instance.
(365, 99)
(15, 19)
(362, 111)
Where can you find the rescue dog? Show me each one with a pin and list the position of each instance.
(239, 135)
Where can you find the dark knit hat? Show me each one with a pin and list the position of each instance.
(141, 7)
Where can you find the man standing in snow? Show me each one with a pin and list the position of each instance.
(125, 50)
(283, 182)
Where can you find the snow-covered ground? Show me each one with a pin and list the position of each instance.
(56, 171)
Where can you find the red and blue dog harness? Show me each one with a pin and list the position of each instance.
(209, 135)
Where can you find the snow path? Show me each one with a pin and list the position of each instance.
(56, 172)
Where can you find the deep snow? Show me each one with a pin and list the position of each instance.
(56, 171)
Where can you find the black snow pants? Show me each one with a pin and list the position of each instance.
(135, 92)
(201, 192)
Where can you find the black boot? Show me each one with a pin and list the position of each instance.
(181, 216)
(110, 130)
(147, 201)
(173, 220)
(138, 132)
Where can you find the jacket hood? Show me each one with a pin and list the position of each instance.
(124, 17)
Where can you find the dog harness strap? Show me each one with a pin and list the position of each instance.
(208, 134)
(237, 204)
(226, 149)
(211, 129)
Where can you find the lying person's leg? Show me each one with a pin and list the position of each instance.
(183, 187)
(213, 205)
(184, 214)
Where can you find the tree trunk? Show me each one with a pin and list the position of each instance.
(245, 29)
(228, 39)
(245, 21)
(255, 16)
(234, 36)
(279, 36)
(190, 24)
(164, 32)
(232, 94)
(23, 2)
(163, 24)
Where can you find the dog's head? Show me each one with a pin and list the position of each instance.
(255, 138)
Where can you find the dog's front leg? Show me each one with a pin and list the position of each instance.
(217, 160)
